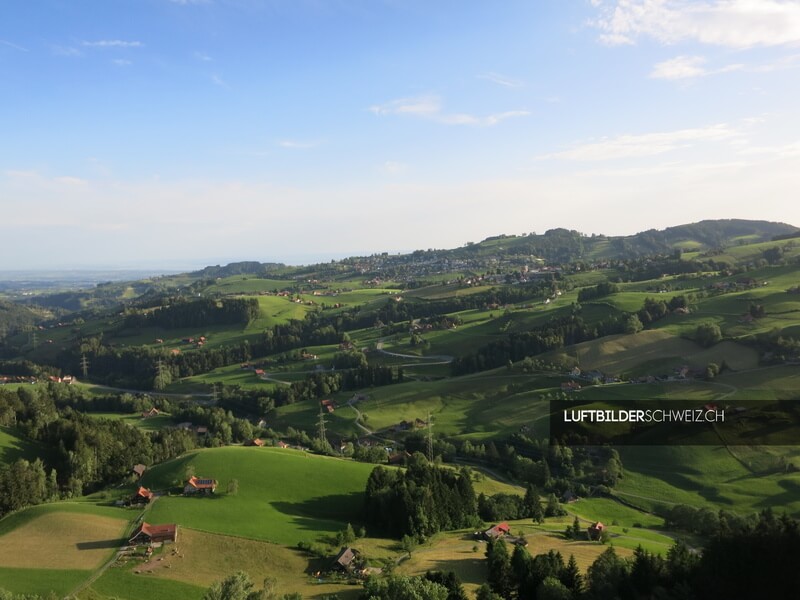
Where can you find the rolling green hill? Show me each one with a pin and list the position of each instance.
(284, 496)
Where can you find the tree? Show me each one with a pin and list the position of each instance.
(552, 589)
(234, 587)
(708, 334)
(607, 574)
(553, 507)
(633, 324)
(499, 565)
(348, 536)
(571, 576)
(533, 504)
(485, 593)
(404, 588)
(575, 530)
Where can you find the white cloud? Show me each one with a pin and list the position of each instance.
(791, 150)
(729, 23)
(217, 80)
(67, 180)
(66, 51)
(13, 45)
(203, 56)
(121, 62)
(501, 80)
(112, 44)
(393, 167)
(648, 144)
(299, 144)
(687, 67)
(430, 107)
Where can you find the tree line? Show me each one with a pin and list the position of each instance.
(756, 559)
(178, 312)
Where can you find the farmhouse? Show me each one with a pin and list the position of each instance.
(328, 405)
(196, 485)
(595, 530)
(153, 534)
(345, 560)
(568, 497)
(138, 470)
(497, 531)
(142, 496)
(153, 412)
(255, 442)
(570, 386)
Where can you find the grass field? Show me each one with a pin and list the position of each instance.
(62, 540)
(204, 558)
(486, 404)
(285, 496)
(135, 419)
(41, 581)
(656, 352)
(122, 584)
(659, 477)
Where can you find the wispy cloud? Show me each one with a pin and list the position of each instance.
(688, 67)
(112, 44)
(217, 80)
(648, 144)
(203, 56)
(791, 150)
(394, 167)
(13, 45)
(502, 80)
(729, 23)
(66, 51)
(430, 107)
(121, 62)
(299, 144)
(188, 2)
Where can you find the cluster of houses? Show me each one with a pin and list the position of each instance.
(501, 530)
(409, 425)
(66, 379)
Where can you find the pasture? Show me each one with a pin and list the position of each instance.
(204, 558)
(284, 496)
(41, 581)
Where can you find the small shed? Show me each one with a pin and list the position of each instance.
(595, 530)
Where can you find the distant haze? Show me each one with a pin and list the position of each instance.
(154, 134)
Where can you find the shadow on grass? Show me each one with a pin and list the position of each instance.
(337, 507)
(100, 544)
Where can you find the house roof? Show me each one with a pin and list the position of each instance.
(201, 484)
(597, 526)
(139, 469)
(159, 531)
(345, 556)
(498, 530)
(144, 493)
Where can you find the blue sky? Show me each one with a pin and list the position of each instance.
(177, 133)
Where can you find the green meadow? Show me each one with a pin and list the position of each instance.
(284, 496)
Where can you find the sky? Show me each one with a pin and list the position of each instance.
(180, 133)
